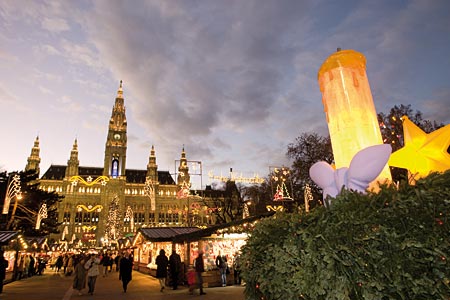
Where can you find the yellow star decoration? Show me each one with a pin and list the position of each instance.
(423, 153)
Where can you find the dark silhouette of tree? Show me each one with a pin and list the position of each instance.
(258, 196)
(226, 204)
(308, 149)
(27, 208)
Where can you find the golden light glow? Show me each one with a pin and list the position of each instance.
(90, 208)
(274, 208)
(348, 104)
(101, 179)
(88, 228)
(423, 153)
(236, 178)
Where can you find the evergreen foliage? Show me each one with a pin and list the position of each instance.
(391, 245)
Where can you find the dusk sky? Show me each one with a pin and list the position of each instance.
(233, 81)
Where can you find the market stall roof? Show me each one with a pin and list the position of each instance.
(164, 234)
(189, 236)
(6, 236)
(37, 242)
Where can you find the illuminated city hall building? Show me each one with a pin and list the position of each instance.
(104, 204)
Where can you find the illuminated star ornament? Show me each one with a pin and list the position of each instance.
(423, 153)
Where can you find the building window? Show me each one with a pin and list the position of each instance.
(151, 218)
(66, 217)
(115, 168)
(78, 217)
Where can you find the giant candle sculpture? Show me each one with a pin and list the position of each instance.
(350, 112)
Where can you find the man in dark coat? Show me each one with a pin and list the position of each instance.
(199, 269)
(174, 267)
(126, 268)
(3, 267)
(161, 270)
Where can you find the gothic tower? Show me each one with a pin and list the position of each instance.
(116, 141)
(152, 167)
(73, 162)
(34, 159)
(184, 178)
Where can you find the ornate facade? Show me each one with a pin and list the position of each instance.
(104, 204)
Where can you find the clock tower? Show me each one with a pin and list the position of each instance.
(116, 141)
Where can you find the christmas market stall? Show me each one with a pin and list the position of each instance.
(226, 239)
(149, 241)
(12, 243)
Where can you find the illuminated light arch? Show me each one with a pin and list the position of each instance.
(89, 208)
(103, 180)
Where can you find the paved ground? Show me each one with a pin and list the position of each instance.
(54, 286)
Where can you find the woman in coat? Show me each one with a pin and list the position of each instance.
(161, 270)
(79, 280)
(125, 269)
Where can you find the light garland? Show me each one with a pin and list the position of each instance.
(112, 230)
(12, 191)
(150, 191)
(274, 208)
(103, 180)
(41, 215)
(233, 177)
(88, 228)
(308, 197)
(129, 216)
(89, 208)
(280, 176)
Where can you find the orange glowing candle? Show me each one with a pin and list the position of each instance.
(348, 104)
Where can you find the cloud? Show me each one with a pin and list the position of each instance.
(81, 54)
(55, 25)
(229, 67)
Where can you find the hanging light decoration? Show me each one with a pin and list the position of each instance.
(41, 215)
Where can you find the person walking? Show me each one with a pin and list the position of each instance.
(126, 268)
(92, 272)
(174, 267)
(161, 270)
(3, 267)
(237, 268)
(105, 264)
(199, 266)
(221, 263)
(59, 263)
(117, 261)
(31, 268)
(79, 280)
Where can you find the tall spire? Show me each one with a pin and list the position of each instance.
(34, 159)
(152, 167)
(183, 170)
(73, 162)
(120, 91)
(116, 141)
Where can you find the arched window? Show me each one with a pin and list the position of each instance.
(115, 168)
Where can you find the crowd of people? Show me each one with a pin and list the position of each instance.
(85, 269)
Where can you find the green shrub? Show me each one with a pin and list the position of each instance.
(391, 245)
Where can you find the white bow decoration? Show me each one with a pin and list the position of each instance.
(365, 166)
